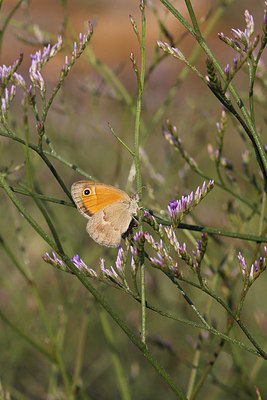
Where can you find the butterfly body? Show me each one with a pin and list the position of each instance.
(109, 210)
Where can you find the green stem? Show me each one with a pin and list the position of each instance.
(208, 328)
(196, 169)
(54, 172)
(54, 344)
(193, 17)
(6, 22)
(263, 206)
(235, 318)
(195, 368)
(187, 299)
(52, 244)
(141, 346)
(247, 123)
(27, 153)
(41, 197)
(252, 75)
(51, 154)
(212, 231)
(251, 87)
(165, 221)
(138, 168)
(93, 291)
(28, 339)
(58, 358)
(219, 347)
(125, 394)
(80, 352)
(47, 218)
(26, 215)
(192, 60)
(121, 141)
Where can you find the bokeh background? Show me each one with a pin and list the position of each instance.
(77, 125)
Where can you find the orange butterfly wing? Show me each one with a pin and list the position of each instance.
(91, 197)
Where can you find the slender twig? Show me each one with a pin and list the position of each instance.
(140, 79)
(247, 123)
(7, 21)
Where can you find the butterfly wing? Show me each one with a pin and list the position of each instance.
(107, 226)
(92, 197)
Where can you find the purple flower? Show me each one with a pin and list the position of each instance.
(55, 261)
(74, 53)
(81, 266)
(120, 262)
(241, 36)
(244, 36)
(37, 79)
(146, 214)
(39, 59)
(4, 108)
(177, 208)
(165, 263)
(171, 50)
(5, 73)
(139, 239)
(249, 24)
(134, 259)
(12, 92)
(242, 264)
(102, 263)
(236, 60)
(57, 47)
(158, 246)
(80, 39)
(172, 209)
(113, 276)
(250, 274)
(158, 261)
(227, 71)
(78, 262)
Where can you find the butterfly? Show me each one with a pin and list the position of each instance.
(109, 210)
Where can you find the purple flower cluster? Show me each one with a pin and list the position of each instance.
(180, 249)
(250, 274)
(77, 49)
(134, 260)
(109, 273)
(115, 275)
(6, 100)
(177, 208)
(55, 261)
(244, 37)
(162, 260)
(201, 245)
(6, 73)
(170, 232)
(120, 261)
(171, 50)
(82, 267)
(39, 59)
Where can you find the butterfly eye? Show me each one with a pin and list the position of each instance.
(86, 192)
